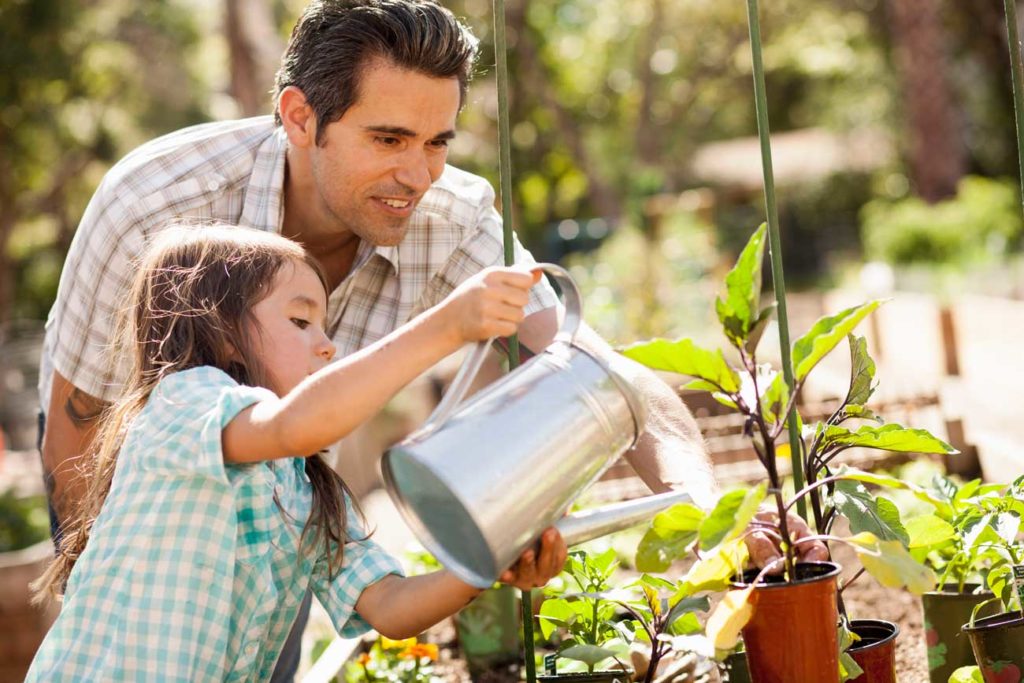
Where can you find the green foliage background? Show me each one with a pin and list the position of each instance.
(611, 99)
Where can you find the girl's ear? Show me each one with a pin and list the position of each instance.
(232, 352)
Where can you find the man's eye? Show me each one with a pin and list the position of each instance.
(387, 141)
(300, 323)
(439, 144)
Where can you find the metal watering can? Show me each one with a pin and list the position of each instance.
(480, 480)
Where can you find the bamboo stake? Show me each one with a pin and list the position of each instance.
(1017, 77)
(774, 240)
(505, 170)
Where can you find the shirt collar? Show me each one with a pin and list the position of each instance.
(263, 207)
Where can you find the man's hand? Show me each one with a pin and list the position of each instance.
(534, 569)
(764, 545)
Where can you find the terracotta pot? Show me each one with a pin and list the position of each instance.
(22, 626)
(875, 652)
(793, 633)
(998, 644)
(945, 613)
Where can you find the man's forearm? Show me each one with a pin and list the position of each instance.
(71, 422)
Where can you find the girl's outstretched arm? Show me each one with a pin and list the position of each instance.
(399, 607)
(332, 402)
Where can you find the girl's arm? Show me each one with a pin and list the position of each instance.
(332, 402)
(399, 607)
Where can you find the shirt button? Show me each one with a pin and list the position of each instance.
(213, 185)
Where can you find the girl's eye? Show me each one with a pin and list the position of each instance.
(300, 323)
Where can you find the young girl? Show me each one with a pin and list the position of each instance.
(201, 531)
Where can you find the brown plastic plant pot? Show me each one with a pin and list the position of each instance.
(945, 613)
(998, 644)
(792, 635)
(875, 652)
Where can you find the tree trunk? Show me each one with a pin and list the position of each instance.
(255, 50)
(935, 148)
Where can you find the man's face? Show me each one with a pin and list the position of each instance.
(376, 162)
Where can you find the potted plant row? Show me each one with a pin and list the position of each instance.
(790, 622)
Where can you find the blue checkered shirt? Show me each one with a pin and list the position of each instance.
(193, 572)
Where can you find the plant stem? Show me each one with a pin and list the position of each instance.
(774, 240)
(1017, 77)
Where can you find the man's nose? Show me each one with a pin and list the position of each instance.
(415, 171)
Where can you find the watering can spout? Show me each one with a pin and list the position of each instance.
(587, 525)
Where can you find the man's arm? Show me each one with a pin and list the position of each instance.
(670, 454)
(71, 421)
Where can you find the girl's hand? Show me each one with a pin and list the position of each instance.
(489, 304)
(534, 569)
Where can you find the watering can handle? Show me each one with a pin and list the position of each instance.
(566, 333)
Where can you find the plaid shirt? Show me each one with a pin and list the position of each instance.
(192, 573)
(234, 171)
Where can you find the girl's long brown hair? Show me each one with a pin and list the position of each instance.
(191, 305)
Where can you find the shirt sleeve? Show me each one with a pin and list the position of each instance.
(364, 564)
(92, 291)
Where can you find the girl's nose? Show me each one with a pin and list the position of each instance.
(326, 348)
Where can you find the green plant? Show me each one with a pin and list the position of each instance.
(762, 396)
(980, 224)
(23, 521)
(579, 611)
(397, 661)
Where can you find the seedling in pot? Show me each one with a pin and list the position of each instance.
(761, 395)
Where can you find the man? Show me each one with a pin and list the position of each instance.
(352, 165)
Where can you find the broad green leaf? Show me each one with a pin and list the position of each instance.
(928, 530)
(590, 655)
(967, 674)
(699, 385)
(824, 335)
(862, 372)
(554, 613)
(942, 507)
(758, 327)
(1000, 582)
(1006, 526)
(862, 413)
(867, 512)
(730, 616)
(775, 398)
(669, 537)
(731, 515)
(891, 563)
(686, 358)
(890, 437)
(685, 624)
(739, 310)
(687, 605)
(716, 569)
(849, 669)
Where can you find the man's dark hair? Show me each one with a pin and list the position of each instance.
(334, 40)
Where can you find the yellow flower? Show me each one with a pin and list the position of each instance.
(419, 650)
(364, 659)
(389, 644)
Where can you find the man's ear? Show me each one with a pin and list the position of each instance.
(297, 117)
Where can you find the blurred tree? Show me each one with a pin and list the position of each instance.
(80, 83)
(255, 49)
(936, 151)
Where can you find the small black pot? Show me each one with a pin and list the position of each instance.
(945, 613)
(998, 644)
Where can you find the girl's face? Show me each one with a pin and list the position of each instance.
(290, 341)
